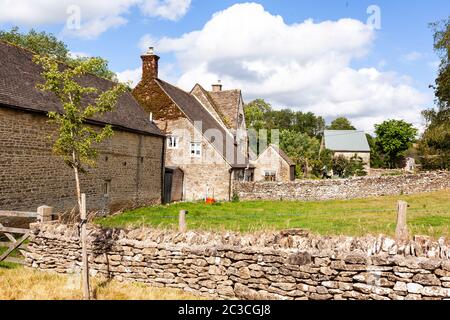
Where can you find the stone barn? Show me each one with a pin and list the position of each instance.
(347, 143)
(130, 166)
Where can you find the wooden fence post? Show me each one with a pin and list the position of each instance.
(182, 221)
(401, 232)
(44, 214)
(84, 254)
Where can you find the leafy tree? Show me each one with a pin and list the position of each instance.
(340, 164)
(435, 143)
(100, 68)
(377, 158)
(301, 148)
(255, 114)
(356, 167)
(393, 138)
(41, 43)
(345, 168)
(76, 140)
(309, 123)
(324, 160)
(255, 117)
(46, 44)
(341, 123)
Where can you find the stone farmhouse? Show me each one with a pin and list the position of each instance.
(169, 145)
(347, 143)
(130, 167)
(207, 135)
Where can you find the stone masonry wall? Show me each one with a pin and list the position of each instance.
(285, 265)
(270, 160)
(363, 187)
(31, 175)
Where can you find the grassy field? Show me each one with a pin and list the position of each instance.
(429, 214)
(18, 283)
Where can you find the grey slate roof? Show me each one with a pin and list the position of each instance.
(196, 112)
(19, 76)
(346, 140)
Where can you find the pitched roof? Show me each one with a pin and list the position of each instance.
(346, 140)
(228, 103)
(282, 154)
(19, 76)
(196, 112)
(216, 108)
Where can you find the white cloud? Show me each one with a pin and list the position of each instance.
(130, 75)
(95, 27)
(412, 56)
(168, 9)
(305, 65)
(95, 16)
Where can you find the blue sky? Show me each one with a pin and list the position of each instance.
(392, 66)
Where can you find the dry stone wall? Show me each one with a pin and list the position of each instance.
(362, 187)
(286, 265)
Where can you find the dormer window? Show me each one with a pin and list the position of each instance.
(173, 142)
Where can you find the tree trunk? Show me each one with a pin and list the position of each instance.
(81, 199)
(84, 254)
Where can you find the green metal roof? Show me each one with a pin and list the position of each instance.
(346, 140)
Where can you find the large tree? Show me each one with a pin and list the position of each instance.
(255, 114)
(309, 123)
(77, 140)
(301, 148)
(394, 137)
(341, 123)
(260, 115)
(46, 44)
(435, 143)
(376, 156)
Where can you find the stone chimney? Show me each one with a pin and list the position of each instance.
(217, 87)
(150, 64)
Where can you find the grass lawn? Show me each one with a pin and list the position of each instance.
(18, 283)
(429, 214)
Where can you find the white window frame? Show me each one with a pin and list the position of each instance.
(173, 142)
(196, 149)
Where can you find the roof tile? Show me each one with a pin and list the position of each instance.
(19, 76)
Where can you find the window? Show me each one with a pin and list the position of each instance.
(107, 188)
(270, 176)
(239, 175)
(173, 142)
(196, 149)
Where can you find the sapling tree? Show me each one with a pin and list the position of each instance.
(77, 140)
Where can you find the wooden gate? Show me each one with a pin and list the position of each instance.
(43, 214)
